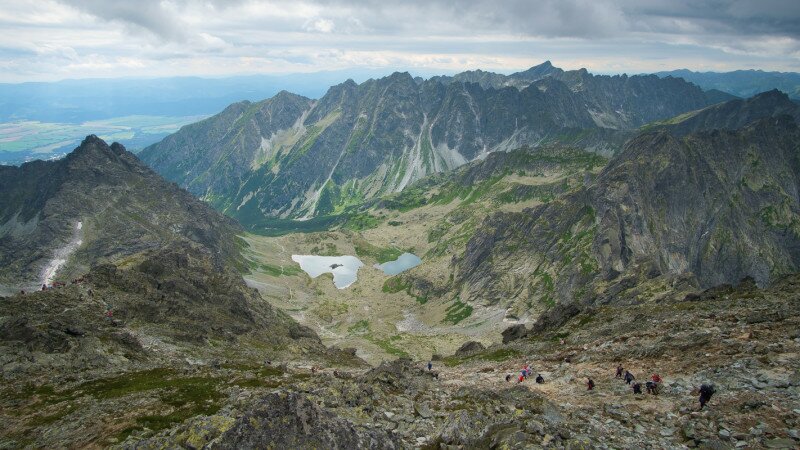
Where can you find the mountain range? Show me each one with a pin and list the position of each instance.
(292, 157)
(741, 83)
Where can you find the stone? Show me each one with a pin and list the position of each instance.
(780, 443)
(470, 347)
(514, 333)
(423, 410)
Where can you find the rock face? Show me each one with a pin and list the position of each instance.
(99, 204)
(288, 157)
(514, 333)
(709, 208)
(469, 347)
(289, 420)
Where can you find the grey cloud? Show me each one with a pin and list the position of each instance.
(150, 15)
(582, 18)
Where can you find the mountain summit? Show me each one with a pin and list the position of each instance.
(98, 204)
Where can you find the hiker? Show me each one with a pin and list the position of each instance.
(44, 287)
(652, 385)
(430, 365)
(706, 391)
(629, 377)
(656, 378)
(539, 379)
(521, 379)
(22, 292)
(620, 370)
(508, 377)
(589, 384)
(637, 388)
(313, 369)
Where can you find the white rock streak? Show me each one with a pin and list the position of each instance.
(61, 255)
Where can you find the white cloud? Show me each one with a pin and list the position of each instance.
(320, 25)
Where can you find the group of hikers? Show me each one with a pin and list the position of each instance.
(651, 385)
(524, 374)
(57, 284)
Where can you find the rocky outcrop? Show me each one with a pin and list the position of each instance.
(514, 333)
(170, 305)
(469, 347)
(289, 420)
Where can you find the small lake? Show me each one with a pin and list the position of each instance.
(344, 268)
(401, 264)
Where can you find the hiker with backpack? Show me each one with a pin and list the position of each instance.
(637, 388)
(620, 370)
(539, 379)
(589, 384)
(629, 377)
(706, 391)
(652, 385)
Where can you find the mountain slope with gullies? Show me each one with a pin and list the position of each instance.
(668, 213)
(362, 141)
(216, 154)
(99, 204)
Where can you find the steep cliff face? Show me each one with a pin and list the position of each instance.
(712, 207)
(362, 141)
(99, 204)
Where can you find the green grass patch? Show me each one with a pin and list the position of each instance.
(361, 221)
(399, 284)
(457, 312)
(388, 345)
(360, 327)
(381, 254)
(277, 271)
(188, 396)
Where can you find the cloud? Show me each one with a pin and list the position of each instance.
(50, 38)
(157, 17)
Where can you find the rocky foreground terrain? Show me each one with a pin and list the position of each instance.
(743, 340)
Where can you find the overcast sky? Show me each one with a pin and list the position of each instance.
(58, 39)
